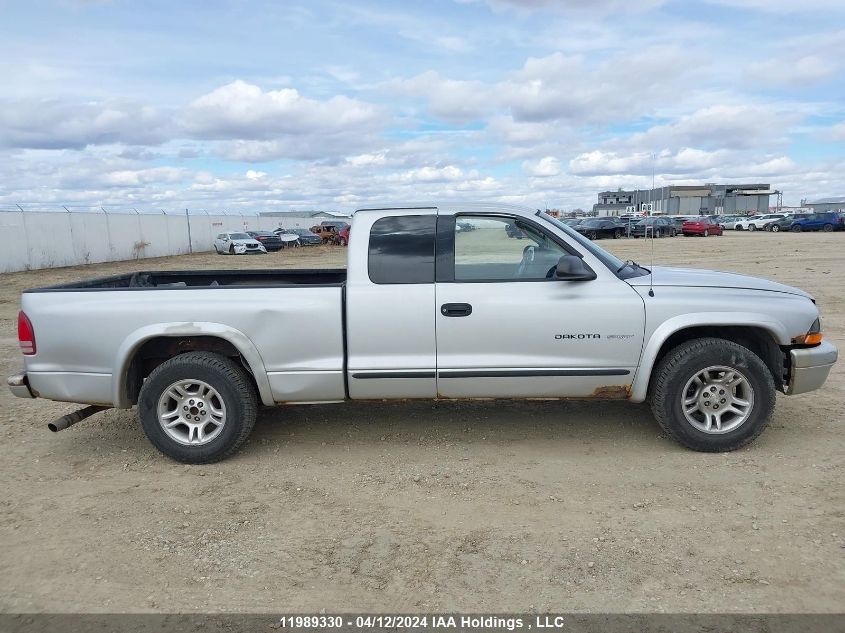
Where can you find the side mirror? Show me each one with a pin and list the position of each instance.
(573, 268)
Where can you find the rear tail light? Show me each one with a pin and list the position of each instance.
(26, 335)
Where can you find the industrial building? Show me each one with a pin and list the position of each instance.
(827, 204)
(707, 199)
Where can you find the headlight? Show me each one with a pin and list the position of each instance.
(813, 336)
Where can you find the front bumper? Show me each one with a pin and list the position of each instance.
(810, 367)
(19, 386)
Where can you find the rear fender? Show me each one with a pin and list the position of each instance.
(238, 339)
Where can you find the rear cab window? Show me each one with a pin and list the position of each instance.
(402, 249)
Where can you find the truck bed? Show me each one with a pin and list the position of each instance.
(184, 279)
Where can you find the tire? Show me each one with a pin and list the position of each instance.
(827, 228)
(659, 233)
(674, 375)
(617, 234)
(231, 249)
(673, 233)
(775, 228)
(232, 393)
(216, 250)
(796, 228)
(752, 227)
(706, 233)
(593, 235)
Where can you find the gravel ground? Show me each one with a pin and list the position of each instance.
(423, 506)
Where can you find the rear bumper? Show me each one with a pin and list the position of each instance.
(810, 367)
(19, 386)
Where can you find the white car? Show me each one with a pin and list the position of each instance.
(756, 222)
(237, 243)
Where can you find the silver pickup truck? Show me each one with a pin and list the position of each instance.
(436, 302)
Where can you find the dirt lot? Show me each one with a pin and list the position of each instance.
(424, 506)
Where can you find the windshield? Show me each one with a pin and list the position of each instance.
(611, 261)
(239, 236)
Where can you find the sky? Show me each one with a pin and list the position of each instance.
(269, 106)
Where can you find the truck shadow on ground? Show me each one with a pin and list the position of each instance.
(423, 421)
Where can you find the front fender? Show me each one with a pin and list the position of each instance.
(238, 339)
(639, 389)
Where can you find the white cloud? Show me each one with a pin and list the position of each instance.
(53, 124)
(240, 110)
(546, 167)
(451, 100)
(785, 71)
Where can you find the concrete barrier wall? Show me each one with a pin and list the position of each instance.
(38, 239)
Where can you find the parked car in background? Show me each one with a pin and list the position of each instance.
(304, 237)
(656, 227)
(831, 221)
(268, 239)
(237, 243)
(757, 222)
(595, 228)
(573, 222)
(730, 222)
(724, 220)
(328, 233)
(783, 224)
(703, 225)
(461, 227)
(343, 236)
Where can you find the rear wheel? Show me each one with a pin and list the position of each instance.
(827, 228)
(197, 407)
(617, 234)
(706, 233)
(775, 228)
(712, 395)
(796, 228)
(593, 235)
(752, 227)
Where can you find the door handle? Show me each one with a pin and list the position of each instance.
(456, 309)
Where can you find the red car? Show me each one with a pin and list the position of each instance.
(343, 236)
(705, 225)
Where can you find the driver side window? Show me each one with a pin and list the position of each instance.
(492, 248)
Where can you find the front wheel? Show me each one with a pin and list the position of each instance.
(827, 228)
(775, 228)
(617, 234)
(706, 233)
(197, 407)
(796, 228)
(712, 395)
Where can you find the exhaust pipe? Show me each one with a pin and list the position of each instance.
(70, 419)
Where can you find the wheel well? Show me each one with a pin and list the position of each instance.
(757, 339)
(155, 351)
